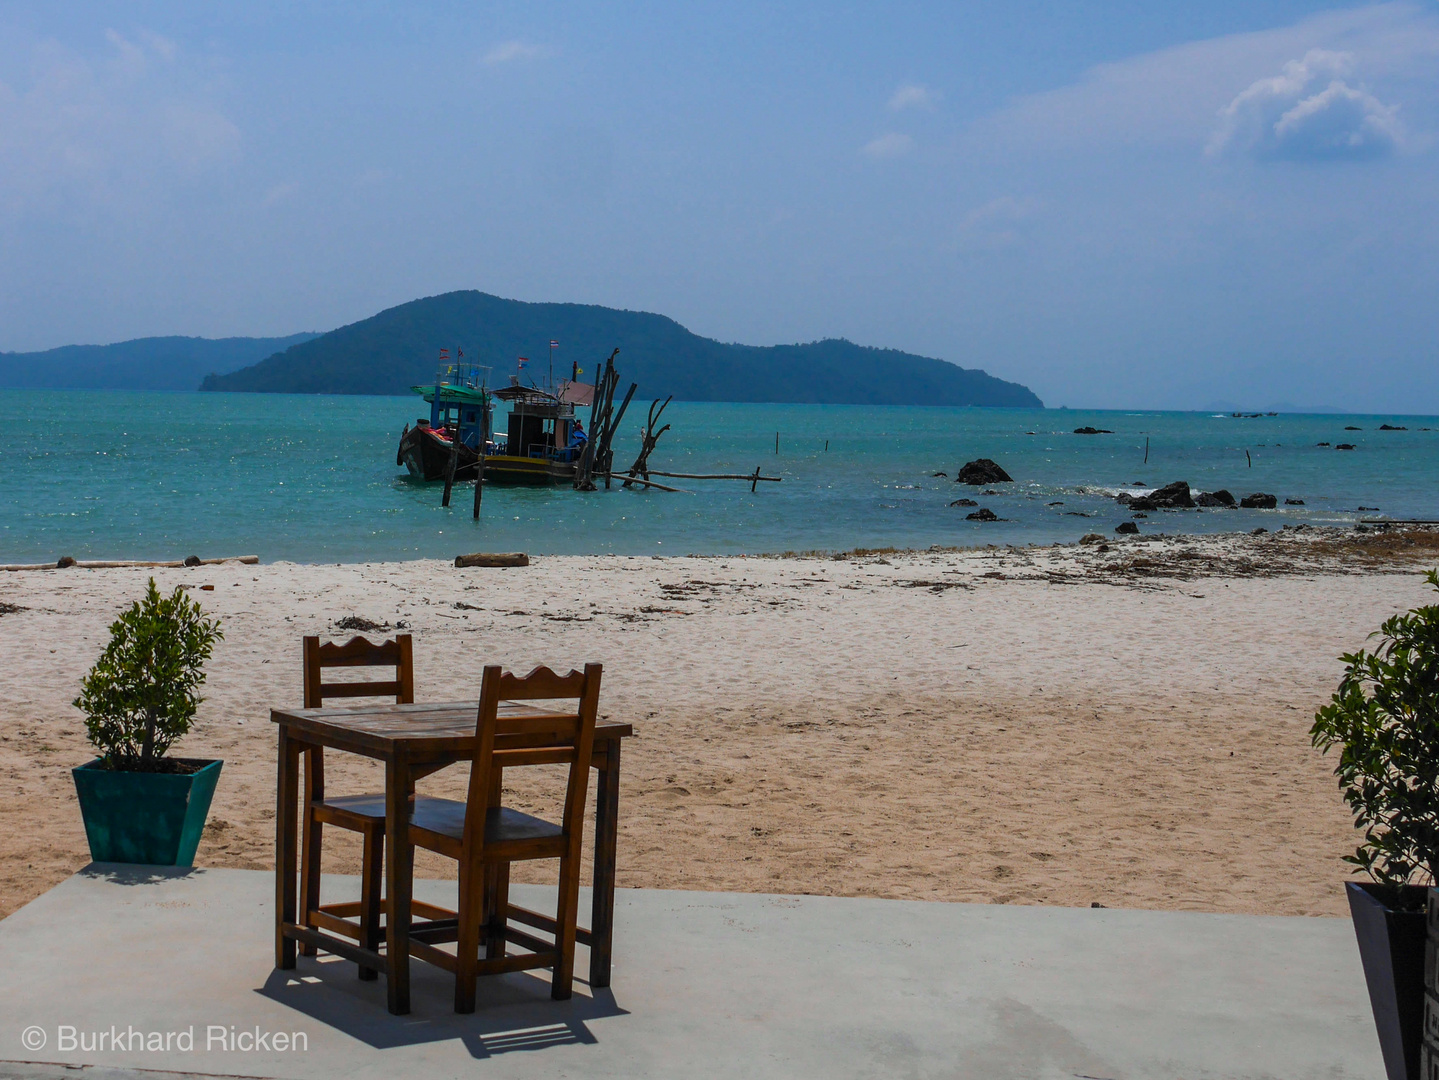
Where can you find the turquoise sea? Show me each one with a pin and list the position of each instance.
(110, 474)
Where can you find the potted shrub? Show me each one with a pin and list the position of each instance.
(1384, 718)
(140, 806)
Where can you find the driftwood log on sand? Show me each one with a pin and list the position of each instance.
(113, 564)
(497, 558)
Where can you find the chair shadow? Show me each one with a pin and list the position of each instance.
(512, 1012)
(136, 873)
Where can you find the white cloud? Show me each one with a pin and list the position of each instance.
(1309, 111)
(101, 128)
(913, 96)
(1004, 210)
(889, 145)
(508, 51)
(1173, 95)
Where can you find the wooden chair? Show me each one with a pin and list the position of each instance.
(485, 837)
(353, 812)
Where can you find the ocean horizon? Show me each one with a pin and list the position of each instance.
(313, 478)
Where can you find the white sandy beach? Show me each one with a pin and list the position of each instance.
(1059, 726)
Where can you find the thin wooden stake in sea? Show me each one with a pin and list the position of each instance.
(479, 485)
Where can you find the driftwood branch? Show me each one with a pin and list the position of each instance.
(716, 476)
(117, 564)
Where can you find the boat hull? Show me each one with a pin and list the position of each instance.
(427, 456)
(527, 472)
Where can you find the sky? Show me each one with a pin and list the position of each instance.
(1119, 204)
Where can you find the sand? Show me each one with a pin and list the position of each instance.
(1123, 724)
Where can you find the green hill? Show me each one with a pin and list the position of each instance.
(158, 363)
(396, 349)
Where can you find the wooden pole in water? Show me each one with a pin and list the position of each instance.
(479, 484)
(826, 446)
(450, 471)
(1249, 459)
(776, 442)
(754, 480)
(1146, 451)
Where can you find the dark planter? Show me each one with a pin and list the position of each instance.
(1391, 944)
(134, 817)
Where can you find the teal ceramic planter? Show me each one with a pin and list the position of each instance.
(154, 818)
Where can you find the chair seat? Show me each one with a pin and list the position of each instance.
(446, 817)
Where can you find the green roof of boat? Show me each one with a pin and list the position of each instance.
(467, 395)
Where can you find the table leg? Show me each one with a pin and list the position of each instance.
(399, 881)
(286, 847)
(311, 839)
(607, 823)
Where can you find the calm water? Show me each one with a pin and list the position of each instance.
(313, 479)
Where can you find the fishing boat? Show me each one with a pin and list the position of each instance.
(543, 439)
(459, 429)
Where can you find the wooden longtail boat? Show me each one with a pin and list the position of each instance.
(540, 446)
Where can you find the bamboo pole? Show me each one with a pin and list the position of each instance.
(714, 476)
(646, 483)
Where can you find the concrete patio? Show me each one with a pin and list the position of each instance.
(705, 984)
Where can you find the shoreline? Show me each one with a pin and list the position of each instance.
(1092, 723)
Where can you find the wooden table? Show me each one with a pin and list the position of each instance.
(414, 741)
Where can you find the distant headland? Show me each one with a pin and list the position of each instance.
(398, 348)
(391, 351)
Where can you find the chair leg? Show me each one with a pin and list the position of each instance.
(497, 897)
(310, 847)
(566, 911)
(467, 944)
(372, 877)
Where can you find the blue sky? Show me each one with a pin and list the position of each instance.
(1118, 204)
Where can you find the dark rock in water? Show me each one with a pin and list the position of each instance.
(1321, 444)
(192, 560)
(1140, 515)
(1390, 427)
(991, 491)
(1345, 446)
(1259, 531)
(1293, 502)
(1173, 496)
(1092, 431)
(1214, 498)
(964, 502)
(1054, 504)
(1368, 508)
(983, 471)
(1076, 513)
(1352, 428)
(1126, 527)
(984, 513)
(943, 474)
(1259, 501)
(1091, 538)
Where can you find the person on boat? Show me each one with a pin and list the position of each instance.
(578, 438)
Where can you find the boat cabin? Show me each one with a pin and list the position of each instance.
(541, 425)
(459, 403)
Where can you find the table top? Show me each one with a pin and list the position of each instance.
(446, 727)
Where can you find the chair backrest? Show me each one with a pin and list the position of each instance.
(561, 737)
(359, 652)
